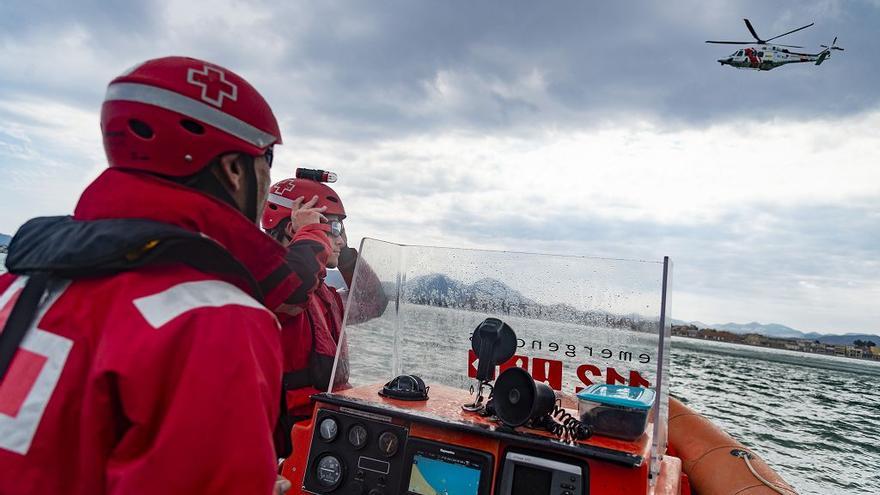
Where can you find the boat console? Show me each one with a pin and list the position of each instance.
(362, 443)
(448, 437)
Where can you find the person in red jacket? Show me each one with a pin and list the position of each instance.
(310, 340)
(139, 351)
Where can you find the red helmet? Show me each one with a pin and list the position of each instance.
(282, 195)
(173, 115)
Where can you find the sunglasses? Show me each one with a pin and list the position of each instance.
(269, 155)
(336, 228)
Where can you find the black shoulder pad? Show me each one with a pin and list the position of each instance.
(72, 247)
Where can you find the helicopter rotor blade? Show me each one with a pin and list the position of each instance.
(792, 31)
(732, 42)
(787, 46)
(752, 30)
(834, 45)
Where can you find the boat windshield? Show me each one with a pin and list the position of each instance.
(578, 320)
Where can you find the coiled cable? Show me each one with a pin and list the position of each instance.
(562, 424)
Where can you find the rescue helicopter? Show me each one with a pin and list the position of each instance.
(764, 55)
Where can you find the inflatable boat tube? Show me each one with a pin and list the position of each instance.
(715, 463)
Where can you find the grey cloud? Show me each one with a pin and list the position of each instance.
(102, 17)
(362, 71)
(600, 61)
(100, 36)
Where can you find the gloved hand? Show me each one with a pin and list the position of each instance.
(282, 485)
(347, 260)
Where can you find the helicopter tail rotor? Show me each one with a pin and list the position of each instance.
(833, 45)
(824, 54)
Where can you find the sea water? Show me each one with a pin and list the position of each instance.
(813, 418)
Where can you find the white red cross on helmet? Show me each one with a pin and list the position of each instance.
(214, 85)
(283, 186)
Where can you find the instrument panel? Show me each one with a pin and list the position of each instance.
(354, 454)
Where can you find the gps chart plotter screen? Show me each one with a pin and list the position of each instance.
(431, 475)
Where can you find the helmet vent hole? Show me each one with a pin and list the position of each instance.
(192, 126)
(331, 198)
(140, 128)
(273, 206)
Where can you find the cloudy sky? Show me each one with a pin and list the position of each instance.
(586, 128)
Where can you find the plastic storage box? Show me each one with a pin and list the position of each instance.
(615, 410)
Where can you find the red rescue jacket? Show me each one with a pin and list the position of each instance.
(309, 342)
(164, 378)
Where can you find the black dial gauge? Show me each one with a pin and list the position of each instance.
(328, 471)
(328, 429)
(357, 436)
(388, 444)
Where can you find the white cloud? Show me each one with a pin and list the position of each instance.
(680, 178)
(63, 60)
(49, 151)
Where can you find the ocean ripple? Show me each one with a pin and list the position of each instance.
(815, 419)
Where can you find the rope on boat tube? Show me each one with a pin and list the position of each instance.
(746, 456)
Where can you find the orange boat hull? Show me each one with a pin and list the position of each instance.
(705, 453)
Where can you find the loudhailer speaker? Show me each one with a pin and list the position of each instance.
(519, 398)
(494, 342)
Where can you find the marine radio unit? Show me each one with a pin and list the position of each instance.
(528, 474)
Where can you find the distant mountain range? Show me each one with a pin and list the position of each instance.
(4, 239)
(493, 296)
(782, 331)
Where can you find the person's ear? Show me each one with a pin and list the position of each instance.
(288, 229)
(231, 172)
